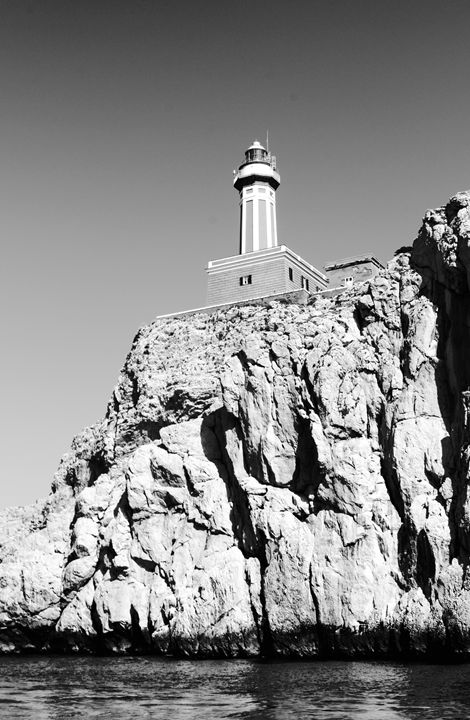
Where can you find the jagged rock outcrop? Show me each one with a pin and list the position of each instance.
(288, 480)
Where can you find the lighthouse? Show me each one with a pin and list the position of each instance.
(257, 181)
(263, 268)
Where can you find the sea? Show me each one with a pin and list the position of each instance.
(62, 688)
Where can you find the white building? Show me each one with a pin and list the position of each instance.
(263, 267)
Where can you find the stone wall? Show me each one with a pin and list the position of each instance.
(299, 297)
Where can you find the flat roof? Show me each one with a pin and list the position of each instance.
(354, 260)
(259, 256)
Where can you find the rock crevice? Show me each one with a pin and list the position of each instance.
(270, 480)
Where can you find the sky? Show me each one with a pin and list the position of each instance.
(120, 124)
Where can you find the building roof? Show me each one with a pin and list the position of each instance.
(256, 145)
(260, 256)
(354, 260)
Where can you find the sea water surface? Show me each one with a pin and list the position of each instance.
(62, 688)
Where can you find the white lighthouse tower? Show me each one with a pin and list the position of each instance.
(257, 181)
(262, 269)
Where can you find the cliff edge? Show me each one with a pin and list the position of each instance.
(283, 480)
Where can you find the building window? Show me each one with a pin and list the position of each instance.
(304, 283)
(348, 281)
(245, 280)
(291, 275)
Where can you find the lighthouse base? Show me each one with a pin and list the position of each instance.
(261, 274)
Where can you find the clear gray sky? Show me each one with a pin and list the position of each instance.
(120, 124)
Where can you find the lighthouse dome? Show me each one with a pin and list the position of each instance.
(256, 153)
(256, 145)
(259, 166)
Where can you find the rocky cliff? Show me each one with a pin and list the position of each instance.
(287, 480)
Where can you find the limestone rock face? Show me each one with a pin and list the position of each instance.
(283, 480)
